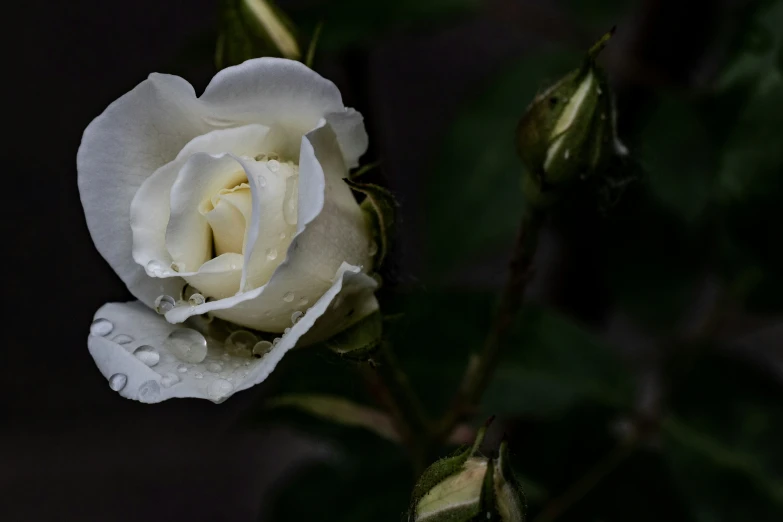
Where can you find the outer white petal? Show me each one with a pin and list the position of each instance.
(204, 380)
(135, 135)
(285, 93)
(334, 232)
(348, 125)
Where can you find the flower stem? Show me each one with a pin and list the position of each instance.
(482, 365)
(401, 400)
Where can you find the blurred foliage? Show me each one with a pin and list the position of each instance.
(355, 22)
(709, 202)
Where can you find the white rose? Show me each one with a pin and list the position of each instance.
(238, 193)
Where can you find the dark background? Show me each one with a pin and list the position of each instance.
(71, 449)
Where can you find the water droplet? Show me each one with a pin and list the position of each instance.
(214, 367)
(219, 389)
(149, 391)
(286, 331)
(271, 254)
(290, 200)
(273, 165)
(182, 368)
(373, 249)
(241, 343)
(262, 348)
(122, 339)
(567, 153)
(187, 345)
(169, 380)
(275, 341)
(147, 354)
(118, 381)
(296, 316)
(101, 327)
(164, 303)
(261, 157)
(261, 181)
(288, 297)
(196, 299)
(198, 375)
(303, 301)
(155, 268)
(178, 267)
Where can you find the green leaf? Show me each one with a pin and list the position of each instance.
(552, 365)
(474, 193)
(722, 442)
(341, 411)
(380, 207)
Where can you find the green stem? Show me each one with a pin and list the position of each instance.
(399, 397)
(482, 365)
(310, 57)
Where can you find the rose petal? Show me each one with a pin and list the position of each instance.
(165, 379)
(151, 206)
(135, 135)
(337, 235)
(231, 212)
(188, 234)
(348, 125)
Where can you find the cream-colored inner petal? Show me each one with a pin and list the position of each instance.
(228, 212)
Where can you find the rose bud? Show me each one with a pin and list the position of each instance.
(252, 29)
(568, 132)
(468, 487)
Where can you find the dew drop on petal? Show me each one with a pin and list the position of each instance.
(169, 380)
(271, 254)
(261, 181)
(149, 391)
(155, 268)
(262, 348)
(273, 165)
(198, 375)
(303, 301)
(241, 343)
(296, 316)
(122, 339)
(275, 341)
(164, 303)
(147, 354)
(214, 367)
(285, 332)
(196, 300)
(187, 345)
(182, 368)
(219, 389)
(289, 297)
(260, 157)
(101, 327)
(118, 381)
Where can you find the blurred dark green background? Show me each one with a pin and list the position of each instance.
(662, 315)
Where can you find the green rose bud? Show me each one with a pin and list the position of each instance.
(568, 132)
(468, 488)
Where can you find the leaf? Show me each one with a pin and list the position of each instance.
(552, 365)
(722, 442)
(340, 411)
(380, 207)
(474, 192)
